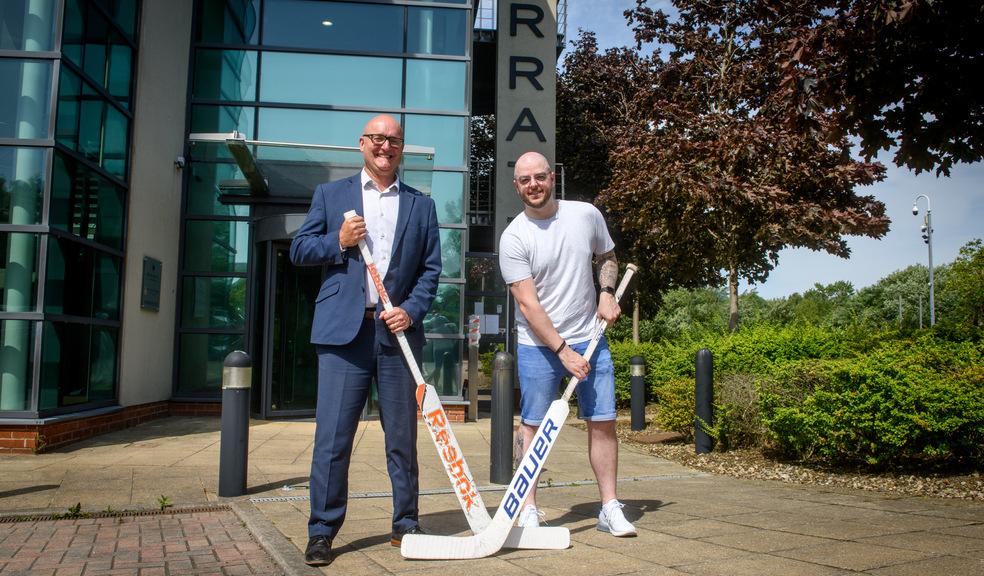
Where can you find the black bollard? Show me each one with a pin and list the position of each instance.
(500, 465)
(234, 438)
(638, 371)
(704, 398)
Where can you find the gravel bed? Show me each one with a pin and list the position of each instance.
(753, 464)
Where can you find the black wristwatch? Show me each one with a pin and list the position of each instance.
(608, 289)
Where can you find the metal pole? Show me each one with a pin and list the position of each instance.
(704, 397)
(474, 334)
(237, 375)
(500, 469)
(929, 233)
(637, 365)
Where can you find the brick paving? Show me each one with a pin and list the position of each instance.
(172, 544)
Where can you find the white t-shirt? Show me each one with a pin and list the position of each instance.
(557, 253)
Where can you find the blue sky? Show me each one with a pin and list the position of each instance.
(957, 201)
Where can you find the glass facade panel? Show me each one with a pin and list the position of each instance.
(213, 303)
(332, 79)
(225, 75)
(22, 176)
(18, 271)
(200, 365)
(203, 189)
(333, 25)
(445, 133)
(312, 126)
(216, 246)
(85, 203)
(223, 119)
(114, 146)
(447, 190)
(437, 31)
(445, 316)
(123, 12)
(106, 57)
(228, 21)
(27, 25)
(81, 281)
(25, 100)
(73, 31)
(17, 368)
(69, 109)
(442, 366)
(78, 364)
(451, 254)
(436, 84)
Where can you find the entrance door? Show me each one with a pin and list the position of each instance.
(293, 359)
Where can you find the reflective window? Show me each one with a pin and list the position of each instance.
(213, 303)
(114, 145)
(81, 281)
(451, 254)
(22, 174)
(312, 126)
(222, 119)
(331, 79)
(87, 123)
(436, 84)
(203, 189)
(85, 204)
(200, 362)
(17, 367)
(73, 30)
(445, 133)
(482, 275)
(106, 57)
(25, 100)
(444, 316)
(228, 21)
(69, 109)
(216, 246)
(78, 364)
(442, 366)
(18, 271)
(333, 25)
(27, 25)
(437, 31)
(225, 75)
(447, 190)
(123, 12)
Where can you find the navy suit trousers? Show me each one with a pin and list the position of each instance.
(344, 377)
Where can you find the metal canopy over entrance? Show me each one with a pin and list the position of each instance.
(276, 181)
(286, 173)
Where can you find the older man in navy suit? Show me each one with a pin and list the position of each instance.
(355, 337)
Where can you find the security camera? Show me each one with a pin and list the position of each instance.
(915, 210)
(179, 162)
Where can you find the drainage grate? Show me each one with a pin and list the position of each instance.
(112, 514)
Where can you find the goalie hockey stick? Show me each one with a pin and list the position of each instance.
(447, 446)
(492, 539)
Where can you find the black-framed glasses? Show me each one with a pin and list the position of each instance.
(379, 139)
(540, 177)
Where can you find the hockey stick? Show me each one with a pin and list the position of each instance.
(490, 541)
(447, 446)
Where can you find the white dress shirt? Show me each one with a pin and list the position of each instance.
(380, 209)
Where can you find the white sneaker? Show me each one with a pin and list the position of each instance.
(530, 517)
(611, 520)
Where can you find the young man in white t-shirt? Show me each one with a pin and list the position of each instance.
(545, 255)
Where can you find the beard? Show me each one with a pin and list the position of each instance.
(536, 204)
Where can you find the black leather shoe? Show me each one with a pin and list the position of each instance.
(397, 537)
(318, 552)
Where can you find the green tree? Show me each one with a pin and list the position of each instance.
(962, 294)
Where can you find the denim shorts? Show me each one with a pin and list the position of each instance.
(542, 378)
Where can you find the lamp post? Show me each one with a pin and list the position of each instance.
(927, 235)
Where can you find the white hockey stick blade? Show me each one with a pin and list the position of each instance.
(539, 538)
(492, 539)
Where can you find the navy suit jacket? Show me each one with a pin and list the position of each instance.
(411, 279)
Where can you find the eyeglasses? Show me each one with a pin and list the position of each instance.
(540, 177)
(379, 139)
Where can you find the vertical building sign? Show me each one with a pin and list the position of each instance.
(526, 94)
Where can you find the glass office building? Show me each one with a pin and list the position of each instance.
(155, 158)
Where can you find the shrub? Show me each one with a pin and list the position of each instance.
(676, 406)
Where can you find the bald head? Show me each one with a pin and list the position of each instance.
(383, 124)
(531, 162)
(382, 148)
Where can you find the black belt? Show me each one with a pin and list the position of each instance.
(370, 314)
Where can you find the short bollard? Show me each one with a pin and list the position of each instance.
(500, 465)
(704, 398)
(234, 438)
(638, 371)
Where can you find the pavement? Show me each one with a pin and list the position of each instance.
(95, 507)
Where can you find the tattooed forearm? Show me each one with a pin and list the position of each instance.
(607, 269)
